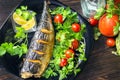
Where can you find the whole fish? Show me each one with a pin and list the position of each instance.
(41, 47)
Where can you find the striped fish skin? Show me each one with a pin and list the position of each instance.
(40, 49)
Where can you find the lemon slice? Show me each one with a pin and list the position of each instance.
(31, 23)
(18, 19)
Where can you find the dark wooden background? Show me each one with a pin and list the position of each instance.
(101, 65)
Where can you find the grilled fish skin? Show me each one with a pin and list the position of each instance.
(40, 49)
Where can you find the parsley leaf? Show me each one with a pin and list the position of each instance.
(2, 51)
(20, 33)
(15, 48)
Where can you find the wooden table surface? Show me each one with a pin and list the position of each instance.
(101, 64)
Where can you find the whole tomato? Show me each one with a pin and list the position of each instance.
(106, 25)
(110, 42)
(69, 53)
(93, 21)
(76, 27)
(75, 44)
(58, 18)
(63, 62)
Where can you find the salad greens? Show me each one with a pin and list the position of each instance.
(13, 48)
(63, 39)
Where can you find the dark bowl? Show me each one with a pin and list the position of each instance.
(10, 64)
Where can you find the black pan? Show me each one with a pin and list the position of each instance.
(11, 63)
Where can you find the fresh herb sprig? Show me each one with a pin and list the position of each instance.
(64, 37)
(110, 9)
(25, 13)
(14, 48)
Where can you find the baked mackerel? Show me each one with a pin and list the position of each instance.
(41, 47)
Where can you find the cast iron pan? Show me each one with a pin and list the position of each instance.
(10, 64)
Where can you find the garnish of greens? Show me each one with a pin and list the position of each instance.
(19, 47)
(25, 13)
(63, 40)
(25, 18)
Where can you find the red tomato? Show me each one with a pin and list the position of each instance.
(106, 25)
(63, 62)
(110, 42)
(76, 27)
(93, 21)
(69, 53)
(75, 44)
(58, 18)
(117, 1)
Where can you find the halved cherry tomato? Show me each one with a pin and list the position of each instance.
(110, 42)
(58, 18)
(76, 27)
(69, 53)
(93, 21)
(75, 44)
(106, 25)
(63, 62)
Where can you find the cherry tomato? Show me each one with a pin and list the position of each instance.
(69, 53)
(63, 62)
(58, 18)
(106, 25)
(93, 21)
(117, 2)
(75, 44)
(110, 42)
(76, 27)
